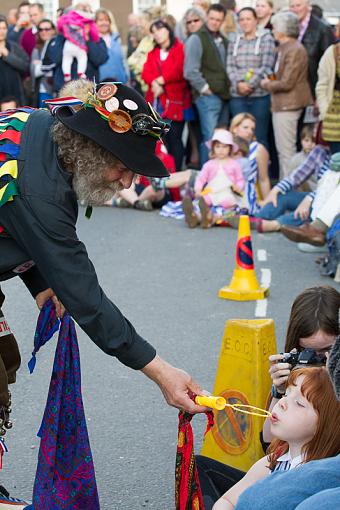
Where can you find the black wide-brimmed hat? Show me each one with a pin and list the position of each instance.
(118, 119)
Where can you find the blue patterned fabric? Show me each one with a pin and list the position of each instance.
(65, 477)
(252, 180)
(47, 325)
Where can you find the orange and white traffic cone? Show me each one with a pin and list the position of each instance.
(244, 285)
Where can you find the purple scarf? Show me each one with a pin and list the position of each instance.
(65, 477)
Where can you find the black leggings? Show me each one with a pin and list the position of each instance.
(215, 479)
(173, 141)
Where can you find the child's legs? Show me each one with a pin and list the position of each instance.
(129, 195)
(287, 202)
(68, 55)
(207, 199)
(178, 179)
(289, 219)
(81, 56)
(149, 193)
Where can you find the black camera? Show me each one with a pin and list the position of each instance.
(305, 357)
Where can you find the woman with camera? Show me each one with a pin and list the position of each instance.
(313, 324)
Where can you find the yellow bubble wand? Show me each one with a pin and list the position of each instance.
(220, 403)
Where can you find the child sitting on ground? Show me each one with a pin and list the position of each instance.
(219, 183)
(307, 140)
(305, 423)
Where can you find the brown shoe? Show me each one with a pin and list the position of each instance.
(304, 234)
(191, 217)
(206, 214)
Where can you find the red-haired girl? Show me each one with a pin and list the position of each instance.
(305, 424)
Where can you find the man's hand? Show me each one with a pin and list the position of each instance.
(243, 88)
(43, 296)
(176, 385)
(303, 209)
(271, 197)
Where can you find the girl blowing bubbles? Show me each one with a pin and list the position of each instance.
(306, 425)
(219, 183)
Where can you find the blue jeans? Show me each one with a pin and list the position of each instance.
(334, 147)
(41, 98)
(260, 108)
(288, 202)
(212, 111)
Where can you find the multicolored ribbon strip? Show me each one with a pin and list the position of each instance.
(12, 124)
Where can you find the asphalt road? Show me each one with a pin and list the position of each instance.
(165, 279)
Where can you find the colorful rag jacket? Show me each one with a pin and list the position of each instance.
(12, 124)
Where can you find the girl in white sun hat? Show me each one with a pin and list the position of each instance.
(219, 183)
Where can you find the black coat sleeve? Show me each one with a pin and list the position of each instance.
(97, 52)
(34, 281)
(46, 231)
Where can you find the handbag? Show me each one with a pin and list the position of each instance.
(331, 121)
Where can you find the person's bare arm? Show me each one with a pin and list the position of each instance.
(262, 158)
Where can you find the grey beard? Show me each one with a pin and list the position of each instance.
(93, 190)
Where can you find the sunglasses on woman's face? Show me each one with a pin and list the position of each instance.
(44, 29)
(192, 21)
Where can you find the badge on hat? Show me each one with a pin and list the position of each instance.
(107, 104)
(120, 121)
(107, 91)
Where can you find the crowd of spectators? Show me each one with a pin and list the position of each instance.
(271, 78)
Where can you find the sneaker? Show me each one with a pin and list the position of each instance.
(309, 248)
(121, 203)
(8, 503)
(206, 214)
(191, 217)
(143, 205)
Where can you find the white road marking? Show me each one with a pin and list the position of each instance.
(261, 308)
(266, 277)
(262, 304)
(262, 255)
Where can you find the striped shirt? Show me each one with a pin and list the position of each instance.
(285, 462)
(257, 54)
(251, 179)
(315, 165)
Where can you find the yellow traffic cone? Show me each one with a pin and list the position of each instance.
(244, 285)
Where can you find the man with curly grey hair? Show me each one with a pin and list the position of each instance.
(87, 150)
